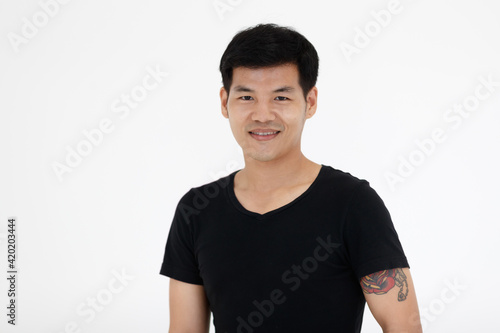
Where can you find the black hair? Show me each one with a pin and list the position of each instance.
(266, 45)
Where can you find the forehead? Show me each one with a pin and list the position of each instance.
(286, 74)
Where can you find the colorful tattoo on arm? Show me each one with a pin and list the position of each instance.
(381, 282)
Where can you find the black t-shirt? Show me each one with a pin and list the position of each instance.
(294, 269)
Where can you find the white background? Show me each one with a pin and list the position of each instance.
(112, 213)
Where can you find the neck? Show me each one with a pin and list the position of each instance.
(268, 176)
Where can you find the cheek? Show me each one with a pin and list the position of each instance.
(237, 126)
(239, 111)
(295, 121)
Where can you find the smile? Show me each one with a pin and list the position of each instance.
(264, 136)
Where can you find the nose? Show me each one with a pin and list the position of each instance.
(263, 112)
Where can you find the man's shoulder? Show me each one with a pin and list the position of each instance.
(340, 180)
(207, 191)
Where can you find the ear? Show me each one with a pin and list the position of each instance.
(312, 102)
(223, 102)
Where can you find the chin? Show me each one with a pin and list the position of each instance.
(262, 157)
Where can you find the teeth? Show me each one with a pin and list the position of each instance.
(267, 133)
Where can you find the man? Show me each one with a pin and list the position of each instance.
(284, 244)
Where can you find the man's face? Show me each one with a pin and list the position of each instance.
(267, 100)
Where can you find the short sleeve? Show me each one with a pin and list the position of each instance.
(371, 240)
(179, 261)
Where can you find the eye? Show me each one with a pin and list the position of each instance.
(246, 98)
(282, 98)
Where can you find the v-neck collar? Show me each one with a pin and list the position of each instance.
(258, 216)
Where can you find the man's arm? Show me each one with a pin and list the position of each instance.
(189, 310)
(391, 297)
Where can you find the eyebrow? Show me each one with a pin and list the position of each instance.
(240, 88)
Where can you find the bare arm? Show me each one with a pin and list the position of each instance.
(189, 310)
(390, 295)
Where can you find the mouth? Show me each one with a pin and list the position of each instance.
(264, 135)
